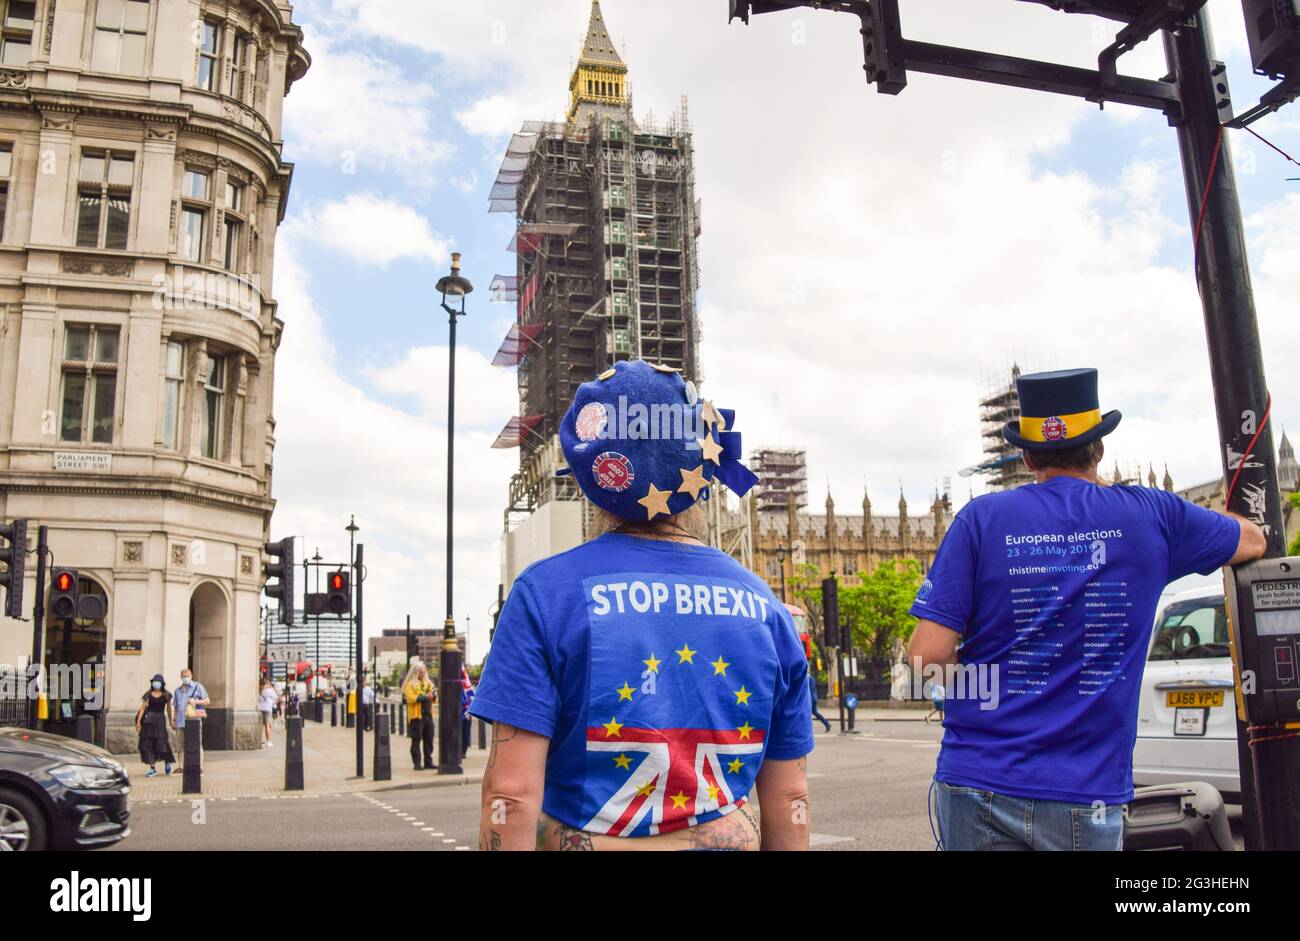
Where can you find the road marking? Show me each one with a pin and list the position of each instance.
(896, 741)
(462, 848)
(824, 839)
(418, 823)
(448, 841)
(428, 829)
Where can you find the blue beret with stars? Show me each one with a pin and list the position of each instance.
(642, 444)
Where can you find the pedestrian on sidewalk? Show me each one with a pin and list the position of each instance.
(642, 684)
(367, 704)
(420, 696)
(1045, 595)
(936, 698)
(266, 702)
(466, 723)
(812, 691)
(152, 720)
(190, 701)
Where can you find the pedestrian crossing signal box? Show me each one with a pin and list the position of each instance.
(1264, 614)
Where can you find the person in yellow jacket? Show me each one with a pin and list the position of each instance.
(420, 696)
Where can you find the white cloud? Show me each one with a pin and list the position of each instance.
(373, 230)
(363, 114)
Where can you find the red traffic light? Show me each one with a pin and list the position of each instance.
(64, 581)
(336, 581)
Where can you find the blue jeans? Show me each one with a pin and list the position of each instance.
(975, 819)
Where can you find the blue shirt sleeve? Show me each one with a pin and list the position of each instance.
(1200, 540)
(790, 735)
(518, 686)
(947, 596)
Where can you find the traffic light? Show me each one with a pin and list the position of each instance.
(1273, 34)
(63, 593)
(882, 46)
(743, 8)
(282, 570)
(338, 593)
(14, 555)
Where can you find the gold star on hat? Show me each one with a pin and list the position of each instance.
(607, 374)
(655, 502)
(712, 416)
(661, 367)
(712, 450)
(693, 481)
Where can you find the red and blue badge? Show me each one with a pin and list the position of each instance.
(613, 471)
(591, 421)
(1054, 429)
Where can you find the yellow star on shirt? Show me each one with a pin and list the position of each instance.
(745, 729)
(685, 654)
(720, 667)
(713, 792)
(679, 800)
(735, 766)
(652, 664)
(645, 790)
(712, 450)
(612, 727)
(625, 693)
(742, 696)
(655, 502)
(624, 762)
(693, 481)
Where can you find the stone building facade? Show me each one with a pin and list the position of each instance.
(142, 186)
(845, 544)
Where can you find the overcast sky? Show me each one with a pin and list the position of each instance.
(868, 262)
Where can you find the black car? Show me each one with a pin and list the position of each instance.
(59, 793)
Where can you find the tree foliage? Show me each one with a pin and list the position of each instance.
(875, 610)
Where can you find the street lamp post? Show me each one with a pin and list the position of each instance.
(316, 657)
(780, 559)
(452, 286)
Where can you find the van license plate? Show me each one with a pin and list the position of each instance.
(1190, 721)
(1196, 698)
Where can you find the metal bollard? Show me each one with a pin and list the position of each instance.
(86, 729)
(482, 734)
(383, 762)
(293, 772)
(334, 713)
(192, 776)
(401, 720)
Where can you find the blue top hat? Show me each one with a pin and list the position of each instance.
(642, 444)
(1059, 410)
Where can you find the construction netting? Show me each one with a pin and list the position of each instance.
(517, 342)
(513, 434)
(505, 190)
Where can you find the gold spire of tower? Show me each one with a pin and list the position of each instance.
(601, 75)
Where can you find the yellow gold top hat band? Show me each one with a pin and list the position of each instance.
(1059, 427)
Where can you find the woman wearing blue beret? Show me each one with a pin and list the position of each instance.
(643, 685)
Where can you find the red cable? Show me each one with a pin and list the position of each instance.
(1250, 448)
(1205, 201)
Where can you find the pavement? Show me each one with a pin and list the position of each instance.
(329, 767)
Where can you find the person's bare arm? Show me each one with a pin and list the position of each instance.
(932, 643)
(785, 814)
(512, 789)
(1251, 544)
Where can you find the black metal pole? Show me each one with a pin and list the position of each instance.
(357, 569)
(1268, 779)
(38, 622)
(449, 661)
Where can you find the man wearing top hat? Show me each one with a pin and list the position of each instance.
(1037, 610)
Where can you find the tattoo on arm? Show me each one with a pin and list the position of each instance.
(573, 839)
(500, 737)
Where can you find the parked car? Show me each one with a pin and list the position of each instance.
(59, 793)
(1187, 725)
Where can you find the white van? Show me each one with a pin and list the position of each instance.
(1187, 725)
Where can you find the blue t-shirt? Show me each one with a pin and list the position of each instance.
(1054, 587)
(663, 674)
